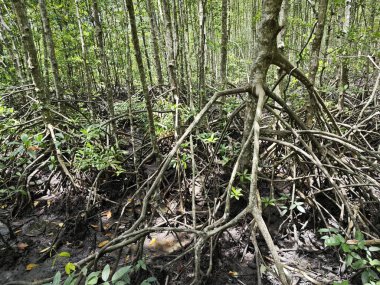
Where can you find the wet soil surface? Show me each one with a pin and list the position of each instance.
(31, 257)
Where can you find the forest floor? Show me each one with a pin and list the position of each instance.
(32, 258)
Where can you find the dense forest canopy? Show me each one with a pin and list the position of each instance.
(189, 142)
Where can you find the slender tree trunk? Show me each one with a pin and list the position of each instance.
(283, 22)
(156, 49)
(317, 41)
(140, 65)
(104, 70)
(185, 18)
(51, 50)
(130, 83)
(87, 75)
(374, 8)
(45, 71)
(201, 52)
(344, 83)
(11, 47)
(314, 60)
(326, 45)
(30, 50)
(224, 43)
(170, 47)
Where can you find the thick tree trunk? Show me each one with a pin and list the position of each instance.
(265, 51)
(30, 50)
(283, 18)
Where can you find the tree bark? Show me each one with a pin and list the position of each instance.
(140, 65)
(224, 43)
(317, 41)
(156, 49)
(344, 83)
(87, 76)
(104, 70)
(130, 82)
(30, 49)
(314, 60)
(51, 52)
(201, 52)
(170, 47)
(265, 51)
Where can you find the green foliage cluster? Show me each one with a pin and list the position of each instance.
(121, 277)
(358, 256)
(92, 154)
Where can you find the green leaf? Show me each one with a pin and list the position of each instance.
(148, 281)
(84, 271)
(69, 280)
(344, 282)
(374, 262)
(24, 138)
(333, 241)
(373, 274)
(359, 264)
(141, 264)
(349, 260)
(355, 255)
(301, 209)
(359, 235)
(374, 248)
(346, 248)
(92, 278)
(57, 278)
(106, 272)
(120, 273)
(64, 254)
(361, 244)
(330, 230)
(69, 267)
(365, 277)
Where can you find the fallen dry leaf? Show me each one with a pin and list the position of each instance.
(95, 227)
(103, 243)
(152, 242)
(31, 266)
(107, 214)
